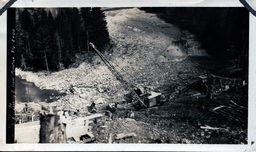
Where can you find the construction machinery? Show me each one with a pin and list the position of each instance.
(144, 95)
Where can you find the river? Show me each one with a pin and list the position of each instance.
(28, 92)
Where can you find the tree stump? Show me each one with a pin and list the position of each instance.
(52, 130)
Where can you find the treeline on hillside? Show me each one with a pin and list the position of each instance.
(49, 39)
(223, 32)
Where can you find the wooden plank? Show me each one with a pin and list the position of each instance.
(125, 135)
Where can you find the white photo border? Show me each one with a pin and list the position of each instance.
(129, 147)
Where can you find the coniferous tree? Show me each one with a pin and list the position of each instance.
(39, 47)
(100, 35)
(86, 26)
(51, 42)
(76, 22)
(24, 27)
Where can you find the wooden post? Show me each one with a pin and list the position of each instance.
(52, 130)
(32, 115)
(86, 125)
(110, 138)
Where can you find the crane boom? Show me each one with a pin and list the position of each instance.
(117, 74)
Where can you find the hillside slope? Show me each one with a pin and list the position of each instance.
(142, 51)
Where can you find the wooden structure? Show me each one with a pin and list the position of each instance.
(79, 127)
(54, 129)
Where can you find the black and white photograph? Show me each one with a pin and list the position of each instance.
(137, 75)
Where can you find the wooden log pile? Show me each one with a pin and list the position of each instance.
(234, 110)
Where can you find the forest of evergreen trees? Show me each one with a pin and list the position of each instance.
(49, 39)
(223, 32)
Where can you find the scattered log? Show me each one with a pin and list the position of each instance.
(209, 127)
(217, 108)
(236, 114)
(228, 115)
(180, 77)
(237, 104)
(237, 108)
(125, 135)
